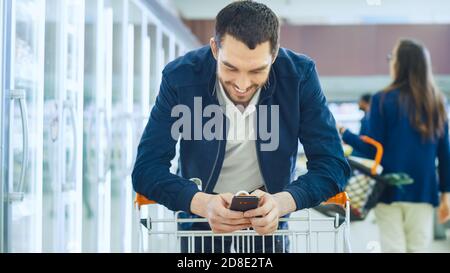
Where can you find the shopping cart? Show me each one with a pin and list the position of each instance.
(306, 233)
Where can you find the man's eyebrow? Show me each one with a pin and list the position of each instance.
(253, 70)
(229, 65)
(259, 68)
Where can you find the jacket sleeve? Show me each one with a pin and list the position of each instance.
(328, 170)
(151, 176)
(444, 161)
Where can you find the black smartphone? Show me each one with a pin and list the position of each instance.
(244, 202)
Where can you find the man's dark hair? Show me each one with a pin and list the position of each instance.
(366, 98)
(249, 22)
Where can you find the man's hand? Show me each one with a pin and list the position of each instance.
(265, 218)
(215, 209)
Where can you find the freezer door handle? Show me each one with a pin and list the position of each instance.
(130, 118)
(20, 96)
(107, 167)
(68, 186)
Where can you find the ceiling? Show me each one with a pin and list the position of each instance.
(354, 12)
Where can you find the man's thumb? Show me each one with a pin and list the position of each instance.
(227, 197)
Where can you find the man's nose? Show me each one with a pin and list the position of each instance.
(243, 83)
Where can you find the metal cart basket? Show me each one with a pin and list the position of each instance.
(306, 233)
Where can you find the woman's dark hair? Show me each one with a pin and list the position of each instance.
(249, 22)
(411, 69)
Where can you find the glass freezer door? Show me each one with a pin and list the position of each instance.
(22, 102)
(2, 146)
(97, 124)
(123, 154)
(63, 125)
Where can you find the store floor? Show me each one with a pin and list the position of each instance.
(365, 238)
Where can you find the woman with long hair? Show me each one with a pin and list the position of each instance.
(409, 119)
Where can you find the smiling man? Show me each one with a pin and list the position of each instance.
(243, 71)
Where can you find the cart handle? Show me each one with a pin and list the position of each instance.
(141, 200)
(378, 155)
(339, 199)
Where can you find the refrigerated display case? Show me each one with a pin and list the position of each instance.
(157, 57)
(2, 18)
(166, 49)
(141, 89)
(122, 129)
(2, 93)
(97, 124)
(70, 129)
(22, 106)
(63, 124)
(178, 50)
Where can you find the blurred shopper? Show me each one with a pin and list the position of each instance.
(364, 105)
(410, 120)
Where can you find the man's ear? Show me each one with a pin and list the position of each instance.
(214, 47)
(274, 56)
